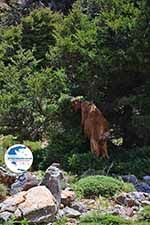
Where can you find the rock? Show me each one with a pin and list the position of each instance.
(90, 204)
(61, 206)
(129, 212)
(6, 177)
(146, 179)
(130, 178)
(133, 199)
(72, 221)
(4, 5)
(24, 182)
(52, 180)
(59, 214)
(4, 216)
(37, 205)
(143, 187)
(79, 207)
(146, 202)
(67, 197)
(71, 213)
(122, 211)
(118, 210)
(131, 202)
(120, 199)
(57, 165)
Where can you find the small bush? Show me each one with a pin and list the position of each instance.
(145, 213)
(98, 185)
(127, 187)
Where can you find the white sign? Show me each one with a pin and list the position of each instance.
(18, 158)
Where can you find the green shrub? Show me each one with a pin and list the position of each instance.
(121, 162)
(33, 145)
(98, 185)
(127, 187)
(62, 221)
(5, 142)
(3, 191)
(13, 222)
(145, 213)
(96, 218)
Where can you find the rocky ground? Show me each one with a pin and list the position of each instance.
(47, 200)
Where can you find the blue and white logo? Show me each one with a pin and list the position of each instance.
(18, 158)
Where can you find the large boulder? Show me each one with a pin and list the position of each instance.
(37, 205)
(6, 177)
(52, 180)
(24, 182)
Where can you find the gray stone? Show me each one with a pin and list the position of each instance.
(4, 216)
(146, 179)
(52, 180)
(123, 211)
(132, 199)
(79, 207)
(143, 187)
(24, 182)
(71, 213)
(130, 178)
(60, 214)
(56, 165)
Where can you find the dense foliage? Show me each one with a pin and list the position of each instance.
(92, 186)
(99, 49)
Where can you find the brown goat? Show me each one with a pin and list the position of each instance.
(95, 126)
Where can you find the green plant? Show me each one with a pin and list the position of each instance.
(13, 221)
(98, 185)
(62, 221)
(145, 213)
(96, 218)
(127, 187)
